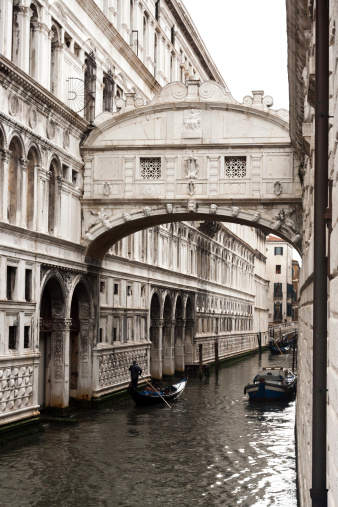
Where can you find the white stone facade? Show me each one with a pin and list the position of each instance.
(69, 329)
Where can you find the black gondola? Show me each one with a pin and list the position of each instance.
(151, 397)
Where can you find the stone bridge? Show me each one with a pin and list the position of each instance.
(192, 154)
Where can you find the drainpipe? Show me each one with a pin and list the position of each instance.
(319, 407)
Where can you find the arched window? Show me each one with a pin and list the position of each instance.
(14, 179)
(33, 42)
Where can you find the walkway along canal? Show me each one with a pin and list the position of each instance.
(213, 448)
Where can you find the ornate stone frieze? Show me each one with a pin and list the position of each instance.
(16, 387)
(114, 367)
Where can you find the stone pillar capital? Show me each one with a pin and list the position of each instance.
(5, 155)
(24, 163)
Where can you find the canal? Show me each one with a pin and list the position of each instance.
(213, 448)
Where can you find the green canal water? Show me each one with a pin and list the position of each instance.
(212, 448)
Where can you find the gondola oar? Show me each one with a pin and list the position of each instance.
(156, 391)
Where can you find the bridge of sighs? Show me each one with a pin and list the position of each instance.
(192, 154)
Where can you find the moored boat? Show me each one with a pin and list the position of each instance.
(272, 383)
(153, 396)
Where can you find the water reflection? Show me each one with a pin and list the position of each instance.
(212, 448)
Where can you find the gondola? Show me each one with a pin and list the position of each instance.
(150, 397)
(281, 349)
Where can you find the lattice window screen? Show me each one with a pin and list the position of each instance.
(235, 167)
(150, 168)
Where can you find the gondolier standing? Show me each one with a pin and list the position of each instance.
(135, 371)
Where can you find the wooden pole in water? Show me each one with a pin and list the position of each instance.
(200, 360)
(216, 356)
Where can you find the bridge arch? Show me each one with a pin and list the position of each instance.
(192, 154)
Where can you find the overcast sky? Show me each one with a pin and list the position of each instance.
(247, 41)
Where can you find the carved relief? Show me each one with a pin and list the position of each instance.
(169, 208)
(32, 117)
(106, 188)
(191, 167)
(66, 139)
(147, 211)
(192, 206)
(277, 187)
(14, 105)
(51, 127)
(100, 218)
(192, 120)
(191, 188)
(126, 217)
(235, 211)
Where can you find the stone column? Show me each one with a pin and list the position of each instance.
(179, 345)
(6, 23)
(42, 199)
(57, 73)
(156, 332)
(35, 50)
(4, 160)
(84, 388)
(22, 209)
(59, 389)
(189, 342)
(21, 35)
(45, 52)
(168, 348)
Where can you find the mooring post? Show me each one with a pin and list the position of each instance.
(200, 351)
(216, 356)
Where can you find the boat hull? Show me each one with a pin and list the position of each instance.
(264, 391)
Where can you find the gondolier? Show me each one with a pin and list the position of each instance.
(135, 371)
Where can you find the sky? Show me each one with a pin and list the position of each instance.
(247, 41)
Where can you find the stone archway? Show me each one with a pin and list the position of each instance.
(53, 345)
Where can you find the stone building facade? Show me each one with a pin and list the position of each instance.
(279, 273)
(304, 112)
(69, 330)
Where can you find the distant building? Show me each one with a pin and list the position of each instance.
(279, 273)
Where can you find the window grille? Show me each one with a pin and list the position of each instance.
(235, 167)
(150, 168)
